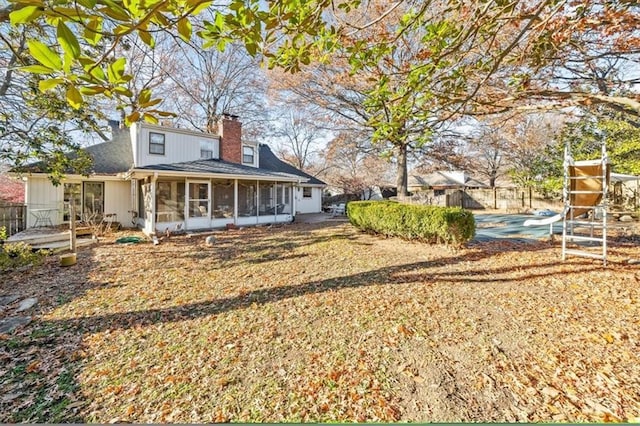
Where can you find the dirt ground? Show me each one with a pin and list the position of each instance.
(319, 322)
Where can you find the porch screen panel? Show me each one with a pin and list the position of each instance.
(247, 192)
(223, 199)
(169, 201)
(198, 199)
(267, 198)
(284, 198)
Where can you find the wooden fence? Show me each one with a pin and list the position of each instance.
(13, 217)
(509, 199)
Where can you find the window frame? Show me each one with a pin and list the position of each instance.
(306, 189)
(206, 145)
(245, 156)
(157, 144)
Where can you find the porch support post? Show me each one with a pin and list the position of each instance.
(275, 201)
(154, 178)
(210, 203)
(257, 202)
(235, 201)
(27, 201)
(294, 200)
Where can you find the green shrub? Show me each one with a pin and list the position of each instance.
(432, 224)
(15, 255)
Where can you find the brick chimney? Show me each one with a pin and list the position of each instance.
(230, 131)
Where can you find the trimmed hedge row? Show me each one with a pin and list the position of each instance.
(432, 224)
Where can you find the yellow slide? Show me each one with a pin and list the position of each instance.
(585, 191)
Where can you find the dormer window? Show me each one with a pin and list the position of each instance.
(247, 154)
(206, 149)
(156, 143)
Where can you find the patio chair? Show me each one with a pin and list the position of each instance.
(338, 210)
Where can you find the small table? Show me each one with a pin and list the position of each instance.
(43, 217)
(337, 209)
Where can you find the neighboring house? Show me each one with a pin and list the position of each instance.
(160, 178)
(379, 192)
(443, 180)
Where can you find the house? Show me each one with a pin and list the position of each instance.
(157, 178)
(442, 180)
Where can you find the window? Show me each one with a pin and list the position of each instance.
(247, 155)
(156, 143)
(93, 200)
(306, 192)
(72, 195)
(206, 149)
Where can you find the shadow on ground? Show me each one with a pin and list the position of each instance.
(41, 362)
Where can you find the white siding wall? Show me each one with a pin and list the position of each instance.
(41, 194)
(309, 205)
(179, 145)
(117, 199)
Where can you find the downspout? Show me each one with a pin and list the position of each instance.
(26, 201)
(134, 200)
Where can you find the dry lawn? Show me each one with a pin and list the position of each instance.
(323, 323)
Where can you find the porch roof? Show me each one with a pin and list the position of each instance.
(217, 168)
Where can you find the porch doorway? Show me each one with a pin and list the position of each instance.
(199, 204)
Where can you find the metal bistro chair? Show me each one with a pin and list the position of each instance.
(338, 210)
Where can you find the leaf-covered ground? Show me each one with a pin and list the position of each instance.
(318, 322)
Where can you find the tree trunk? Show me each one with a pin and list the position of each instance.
(401, 181)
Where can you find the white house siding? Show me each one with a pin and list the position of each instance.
(179, 145)
(117, 199)
(41, 194)
(309, 205)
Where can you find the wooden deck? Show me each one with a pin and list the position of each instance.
(51, 238)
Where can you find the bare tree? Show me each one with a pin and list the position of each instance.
(203, 84)
(354, 168)
(301, 134)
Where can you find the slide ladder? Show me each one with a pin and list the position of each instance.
(584, 225)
